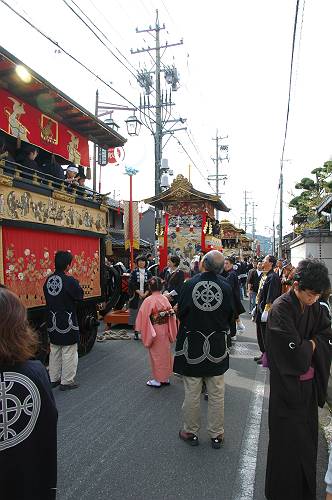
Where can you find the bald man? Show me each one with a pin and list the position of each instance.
(206, 314)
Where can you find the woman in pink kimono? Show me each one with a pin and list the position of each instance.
(156, 322)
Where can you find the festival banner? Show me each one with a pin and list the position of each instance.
(28, 258)
(27, 123)
(136, 230)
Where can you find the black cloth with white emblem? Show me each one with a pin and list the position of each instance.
(293, 408)
(206, 311)
(61, 294)
(28, 436)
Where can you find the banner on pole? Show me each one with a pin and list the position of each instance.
(136, 230)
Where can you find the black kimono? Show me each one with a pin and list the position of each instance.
(298, 385)
(231, 277)
(269, 290)
(28, 437)
(61, 293)
(174, 283)
(205, 311)
(134, 284)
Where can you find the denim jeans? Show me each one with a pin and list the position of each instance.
(252, 300)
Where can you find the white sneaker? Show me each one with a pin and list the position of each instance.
(233, 338)
(240, 327)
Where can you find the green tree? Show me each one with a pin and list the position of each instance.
(313, 193)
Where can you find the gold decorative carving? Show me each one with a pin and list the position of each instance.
(181, 182)
(57, 195)
(59, 210)
(5, 180)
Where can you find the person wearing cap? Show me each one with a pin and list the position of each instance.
(71, 172)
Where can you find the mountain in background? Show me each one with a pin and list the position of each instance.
(265, 243)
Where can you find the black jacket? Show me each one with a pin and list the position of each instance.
(175, 282)
(28, 447)
(205, 311)
(133, 285)
(61, 294)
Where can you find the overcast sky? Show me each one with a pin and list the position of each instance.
(234, 68)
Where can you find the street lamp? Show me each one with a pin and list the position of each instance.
(133, 125)
(112, 124)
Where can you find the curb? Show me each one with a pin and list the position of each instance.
(325, 420)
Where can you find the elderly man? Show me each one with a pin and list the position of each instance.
(206, 312)
(268, 291)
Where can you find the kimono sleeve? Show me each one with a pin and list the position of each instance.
(75, 290)
(291, 354)
(322, 354)
(143, 323)
(274, 290)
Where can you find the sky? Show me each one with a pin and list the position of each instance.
(234, 75)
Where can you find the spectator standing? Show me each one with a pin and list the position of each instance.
(205, 311)
(28, 415)
(230, 275)
(157, 324)
(254, 276)
(299, 347)
(138, 289)
(62, 292)
(269, 290)
(174, 280)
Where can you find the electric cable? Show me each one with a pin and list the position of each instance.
(95, 75)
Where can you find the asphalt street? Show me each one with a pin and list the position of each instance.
(118, 438)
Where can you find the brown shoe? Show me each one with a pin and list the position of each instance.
(189, 438)
(217, 441)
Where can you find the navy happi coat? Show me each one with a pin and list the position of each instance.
(206, 312)
(62, 293)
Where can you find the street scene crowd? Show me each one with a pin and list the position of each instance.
(201, 315)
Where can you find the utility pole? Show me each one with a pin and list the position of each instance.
(145, 81)
(253, 220)
(281, 185)
(94, 172)
(219, 147)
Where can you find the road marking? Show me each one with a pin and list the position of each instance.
(244, 483)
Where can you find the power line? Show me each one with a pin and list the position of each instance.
(290, 78)
(97, 36)
(286, 130)
(190, 158)
(71, 56)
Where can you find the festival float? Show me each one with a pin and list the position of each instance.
(39, 213)
(187, 223)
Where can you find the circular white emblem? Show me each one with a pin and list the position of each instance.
(19, 408)
(207, 295)
(54, 285)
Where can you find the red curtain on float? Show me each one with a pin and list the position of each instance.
(28, 258)
(19, 119)
(163, 251)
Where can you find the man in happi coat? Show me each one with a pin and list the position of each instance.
(62, 292)
(299, 348)
(156, 322)
(206, 312)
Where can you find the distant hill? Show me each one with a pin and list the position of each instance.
(265, 242)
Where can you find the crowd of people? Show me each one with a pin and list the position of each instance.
(201, 315)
